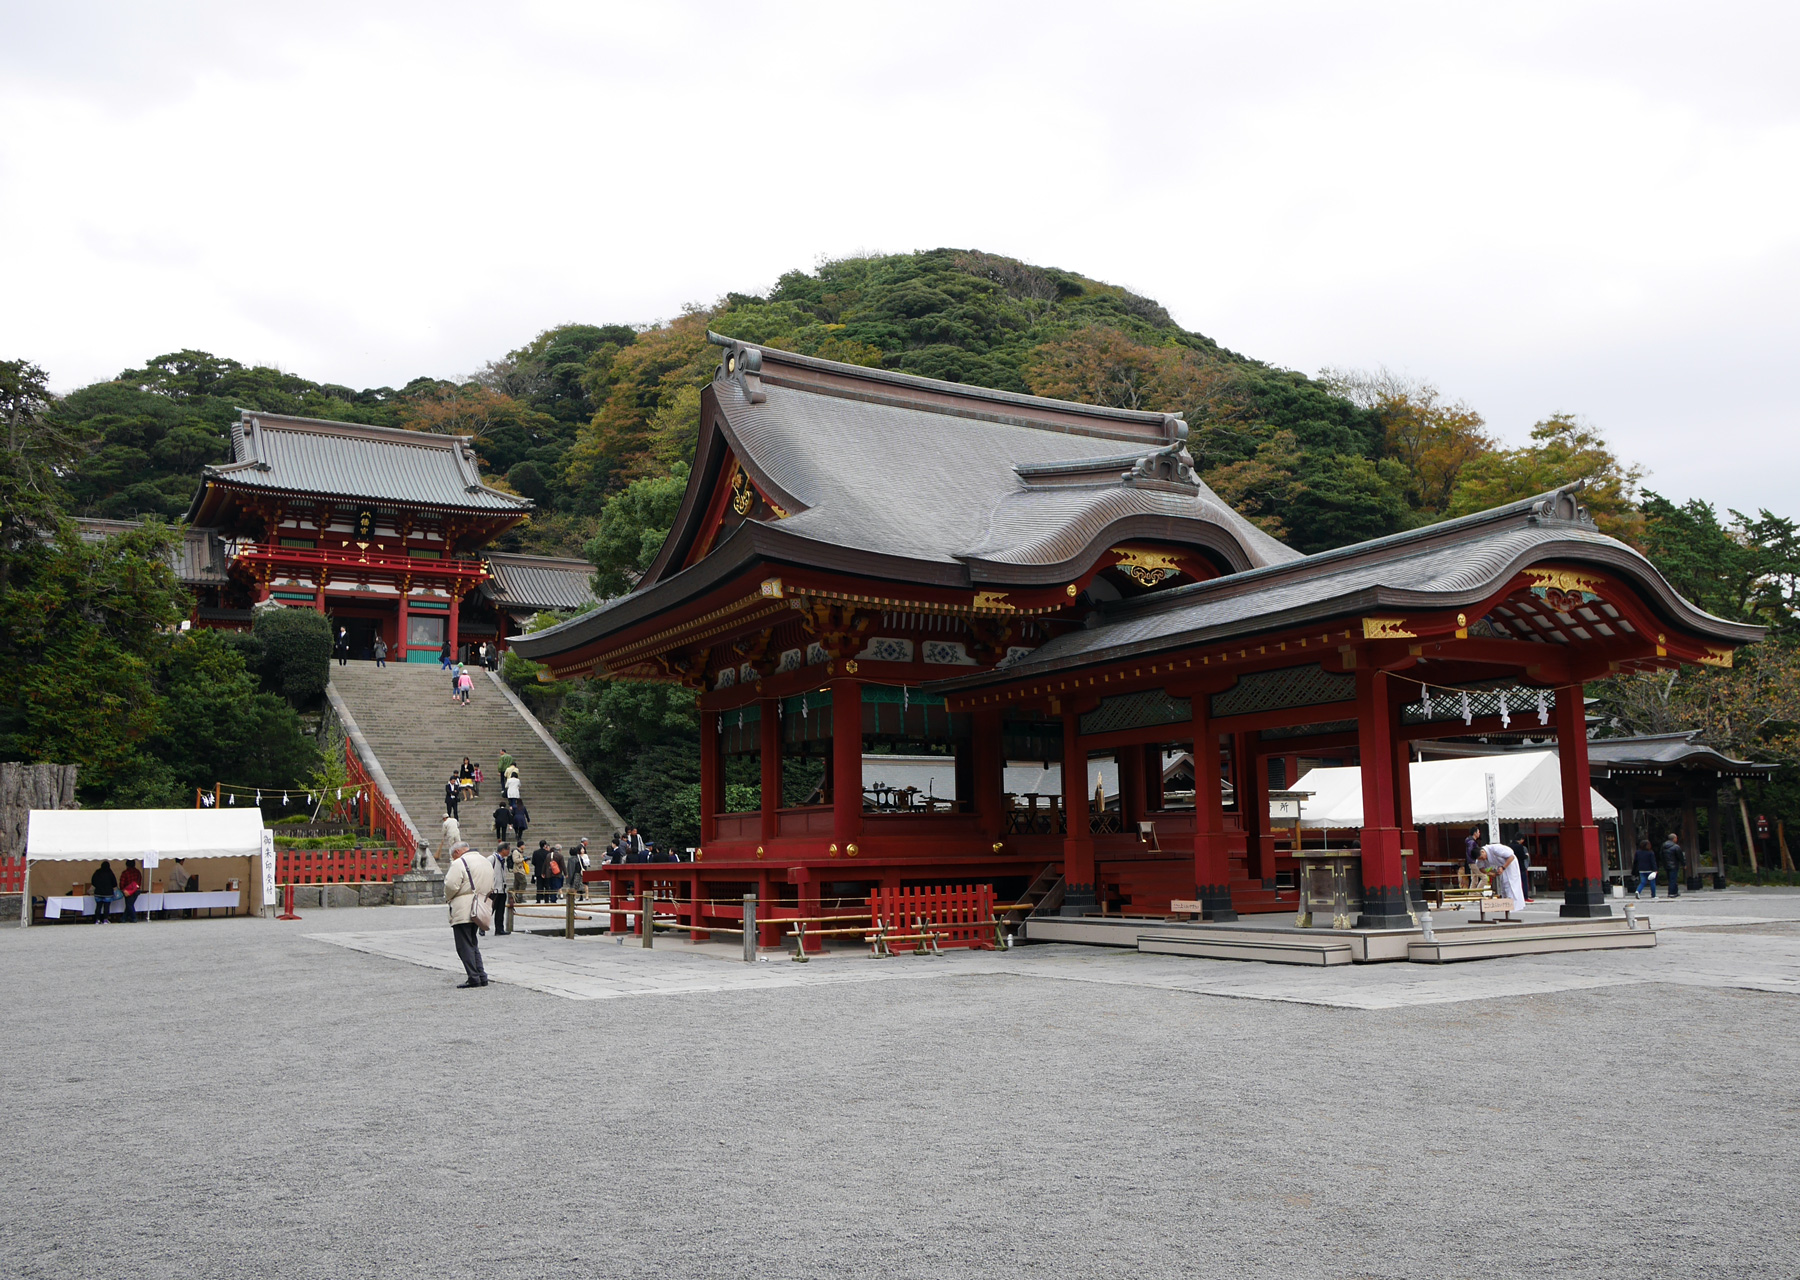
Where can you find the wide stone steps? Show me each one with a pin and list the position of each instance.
(420, 736)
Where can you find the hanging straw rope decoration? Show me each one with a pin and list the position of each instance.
(1543, 708)
(1505, 712)
(1461, 698)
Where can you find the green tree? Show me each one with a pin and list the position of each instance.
(1563, 450)
(38, 452)
(82, 625)
(296, 647)
(633, 526)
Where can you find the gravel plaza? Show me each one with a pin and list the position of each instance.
(245, 1097)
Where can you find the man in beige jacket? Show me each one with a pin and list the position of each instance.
(469, 874)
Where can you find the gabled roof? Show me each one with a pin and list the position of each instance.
(285, 454)
(1661, 752)
(1442, 566)
(549, 583)
(990, 485)
(197, 557)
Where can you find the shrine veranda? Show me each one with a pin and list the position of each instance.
(869, 564)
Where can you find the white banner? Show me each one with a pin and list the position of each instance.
(268, 868)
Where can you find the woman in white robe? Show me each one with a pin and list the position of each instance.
(1497, 857)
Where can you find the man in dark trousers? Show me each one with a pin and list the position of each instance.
(540, 869)
(1674, 860)
(502, 820)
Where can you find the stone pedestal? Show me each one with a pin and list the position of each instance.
(419, 886)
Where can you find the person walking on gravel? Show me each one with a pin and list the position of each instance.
(1643, 862)
(469, 877)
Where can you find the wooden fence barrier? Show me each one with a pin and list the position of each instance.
(958, 916)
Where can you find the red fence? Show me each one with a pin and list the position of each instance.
(963, 915)
(381, 814)
(339, 866)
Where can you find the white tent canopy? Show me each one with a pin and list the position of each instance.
(1527, 787)
(153, 837)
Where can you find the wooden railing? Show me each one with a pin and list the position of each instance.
(382, 815)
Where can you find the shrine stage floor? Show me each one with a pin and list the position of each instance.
(1275, 938)
(314, 1099)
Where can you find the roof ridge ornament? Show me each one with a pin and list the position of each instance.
(1168, 467)
(1562, 506)
(741, 364)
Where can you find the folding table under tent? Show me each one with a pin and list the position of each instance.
(64, 846)
(1527, 788)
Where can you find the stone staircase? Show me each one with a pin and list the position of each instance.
(419, 737)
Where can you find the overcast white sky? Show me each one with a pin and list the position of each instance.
(1539, 207)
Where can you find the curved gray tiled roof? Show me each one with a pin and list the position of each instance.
(383, 464)
(547, 583)
(940, 482)
(198, 559)
(1441, 566)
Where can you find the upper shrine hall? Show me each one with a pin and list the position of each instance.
(384, 530)
(874, 577)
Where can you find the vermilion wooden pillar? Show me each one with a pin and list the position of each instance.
(1412, 857)
(400, 633)
(1384, 880)
(1584, 877)
(1078, 843)
(770, 738)
(712, 768)
(451, 627)
(1212, 855)
(990, 772)
(846, 761)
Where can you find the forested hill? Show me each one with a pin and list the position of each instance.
(579, 412)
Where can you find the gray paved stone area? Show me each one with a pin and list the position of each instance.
(227, 1098)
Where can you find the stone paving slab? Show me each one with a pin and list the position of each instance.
(603, 968)
(215, 1099)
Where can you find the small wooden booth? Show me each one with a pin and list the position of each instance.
(221, 847)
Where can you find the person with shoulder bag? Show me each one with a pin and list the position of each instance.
(467, 886)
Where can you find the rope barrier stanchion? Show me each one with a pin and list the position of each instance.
(647, 918)
(569, 903)
(287, 903)
(749, 928)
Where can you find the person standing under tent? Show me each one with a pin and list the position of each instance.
(502, 863)
(1497, 857)
(1471, 850)
(380, 652)
(131, 884)
(105, 885)
(468, 877)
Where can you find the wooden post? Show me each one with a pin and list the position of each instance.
(1627, 826)
(1253, 808)
(846, 761)
(749, 923)
(399, 653)
(1212, 854)
(1584, 879)
(1078, 842)
(569, 907)
(1403, 809)
(1383, 878)
(450, 625)
(1749, 835)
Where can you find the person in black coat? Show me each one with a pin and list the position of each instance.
(502, 820)
(1674, 860)
(105, 885)
(521, 821)
(451, 796)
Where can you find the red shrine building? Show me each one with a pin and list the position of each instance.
(383, 530)
(1043, 597)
